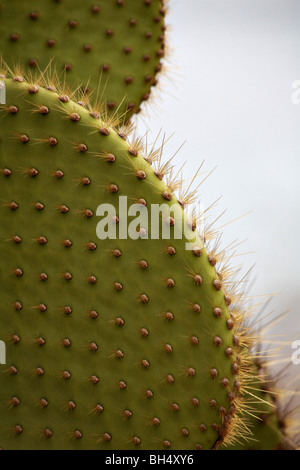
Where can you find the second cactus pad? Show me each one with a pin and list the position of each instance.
(115, 43)
(125, 342)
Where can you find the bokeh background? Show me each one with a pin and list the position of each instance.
(228, 95)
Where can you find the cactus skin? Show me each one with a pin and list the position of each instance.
(66, 379)
(117, 43)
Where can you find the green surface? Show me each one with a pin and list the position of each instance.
(182, 428)
(117, 45)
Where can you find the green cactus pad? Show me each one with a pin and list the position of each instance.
(110, 344)
(116, 45)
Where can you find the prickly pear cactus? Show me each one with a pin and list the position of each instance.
(113, 45)
(110, 343)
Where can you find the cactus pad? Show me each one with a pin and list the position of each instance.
(111, 343)
(118, 44)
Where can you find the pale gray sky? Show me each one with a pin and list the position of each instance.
(228, 95)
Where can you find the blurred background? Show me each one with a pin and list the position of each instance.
(228, 95)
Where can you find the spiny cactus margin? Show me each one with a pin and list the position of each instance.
(112, 48)
(112, 345)
(275, 422)
(263, 418)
